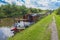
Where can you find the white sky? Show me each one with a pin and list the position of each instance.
(31, 3)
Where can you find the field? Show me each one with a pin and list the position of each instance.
(38, 31)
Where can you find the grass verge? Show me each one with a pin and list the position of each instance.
(57, 17)
(37, 31)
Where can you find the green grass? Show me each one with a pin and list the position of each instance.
(58, 24)
(37, 31)
(57, 18)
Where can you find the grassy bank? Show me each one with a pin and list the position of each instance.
(58, 24)
(6, 22)
(37, 31)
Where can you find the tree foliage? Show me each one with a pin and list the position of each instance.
(16, 11)
(58, 11)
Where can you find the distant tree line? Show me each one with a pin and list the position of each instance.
(16, 11)
(58, 11)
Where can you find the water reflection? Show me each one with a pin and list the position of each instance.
(5, 32)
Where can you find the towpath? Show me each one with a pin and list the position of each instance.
(54, 33)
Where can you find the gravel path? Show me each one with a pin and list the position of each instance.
(54, 34)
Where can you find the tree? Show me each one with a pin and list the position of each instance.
(58, 11)
(16, 11)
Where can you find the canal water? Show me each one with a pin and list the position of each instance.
(5, 32)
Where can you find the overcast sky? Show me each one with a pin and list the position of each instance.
(42, 4)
